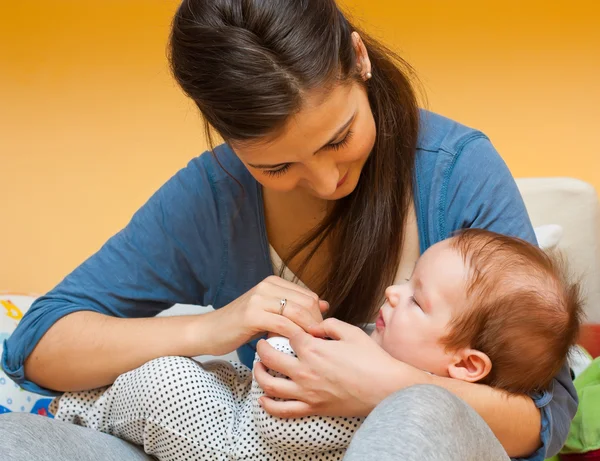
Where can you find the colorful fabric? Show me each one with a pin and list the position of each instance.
(12, 397)
(590, 456)
(584, 435)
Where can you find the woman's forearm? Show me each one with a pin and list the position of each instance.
(85, 350)
(515, 420)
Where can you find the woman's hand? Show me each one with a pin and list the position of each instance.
(258, 311)
(346, 376)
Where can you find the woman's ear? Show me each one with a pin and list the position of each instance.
(469, 365)
(363, 63)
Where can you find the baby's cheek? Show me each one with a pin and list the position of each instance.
(393, 341)
(406, 341)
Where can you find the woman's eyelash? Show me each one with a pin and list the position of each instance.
(278, 172)
(340, 144)
(334, 146)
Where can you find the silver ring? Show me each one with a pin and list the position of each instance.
(282, 305)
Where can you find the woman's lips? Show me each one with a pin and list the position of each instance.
(380, 323)
(343, 180)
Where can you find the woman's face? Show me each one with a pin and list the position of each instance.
(321, 149)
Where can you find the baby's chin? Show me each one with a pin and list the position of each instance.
(375, 336)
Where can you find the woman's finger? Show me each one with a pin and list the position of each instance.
(296, 307)
(281, 325)
(323, 306)
(333, 329)
(286, 408)
(272, 386)
(301, 316)
(306, 302)
(275, 360)
(271, 295)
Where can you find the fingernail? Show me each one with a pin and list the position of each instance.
(260, 402)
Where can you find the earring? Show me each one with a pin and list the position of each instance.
(369, 75)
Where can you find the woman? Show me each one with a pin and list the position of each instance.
(329, 165)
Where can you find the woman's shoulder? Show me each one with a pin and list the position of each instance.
(216, 178)
(210, 188)
(222, 165)
(461, 181)
(441, 135)
(449, 150)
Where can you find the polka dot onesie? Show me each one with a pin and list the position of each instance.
(180, 409)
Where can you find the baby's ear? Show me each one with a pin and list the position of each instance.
(469, 365)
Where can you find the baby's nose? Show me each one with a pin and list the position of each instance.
(393, 294)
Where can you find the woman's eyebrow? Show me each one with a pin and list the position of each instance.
(418, 284)
(333, 138)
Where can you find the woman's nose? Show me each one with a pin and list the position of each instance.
(324, 177)
(393, 295)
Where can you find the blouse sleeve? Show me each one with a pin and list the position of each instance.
(169, 253)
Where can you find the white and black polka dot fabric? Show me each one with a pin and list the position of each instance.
(180, 409)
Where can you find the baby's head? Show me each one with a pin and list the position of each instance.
(482, 307)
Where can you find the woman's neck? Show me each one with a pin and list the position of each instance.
(290, 216)
(304, 208)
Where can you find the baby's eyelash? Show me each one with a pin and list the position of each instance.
(414, 301)
(278, 172)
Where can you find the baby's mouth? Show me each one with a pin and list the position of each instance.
(380, 323)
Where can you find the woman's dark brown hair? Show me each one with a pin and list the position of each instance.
(249, 64)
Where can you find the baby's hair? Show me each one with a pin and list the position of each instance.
(522, 311)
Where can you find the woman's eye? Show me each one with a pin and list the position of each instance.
(340, 144)
(334, 146)
(278, 172)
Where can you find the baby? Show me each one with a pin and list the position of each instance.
(484, 308)
(479, 307)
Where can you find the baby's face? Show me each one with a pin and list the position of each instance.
(416, 314)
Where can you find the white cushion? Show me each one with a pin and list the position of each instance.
(573, 205)
(548, 236)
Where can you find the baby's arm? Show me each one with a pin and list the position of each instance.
(312, 434)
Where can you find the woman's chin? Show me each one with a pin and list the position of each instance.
(336, 196)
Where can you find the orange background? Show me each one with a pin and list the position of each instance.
(91, 122)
